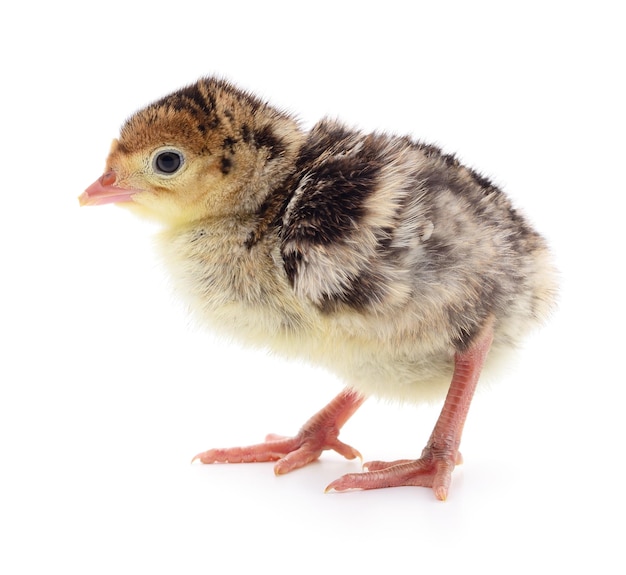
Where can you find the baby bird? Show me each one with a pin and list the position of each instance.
(378, 257)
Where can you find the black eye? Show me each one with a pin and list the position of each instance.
(167, 162)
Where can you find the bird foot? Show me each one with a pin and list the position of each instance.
(433, 469)
(318, 434)
(289, 452)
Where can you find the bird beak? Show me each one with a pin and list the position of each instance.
(104, 191)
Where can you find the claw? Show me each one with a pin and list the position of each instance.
(425, 472)
(317, 435)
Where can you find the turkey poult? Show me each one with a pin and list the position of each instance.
(378, 257)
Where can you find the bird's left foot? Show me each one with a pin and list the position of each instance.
(433, 469)
(441, 455)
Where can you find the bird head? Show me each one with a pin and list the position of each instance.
(207, 150)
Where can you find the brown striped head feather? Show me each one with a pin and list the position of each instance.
(206, 150)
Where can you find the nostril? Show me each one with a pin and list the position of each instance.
(108, 179)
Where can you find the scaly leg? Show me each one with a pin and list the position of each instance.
(317, 434)
(441, 454)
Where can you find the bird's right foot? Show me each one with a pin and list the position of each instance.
(317, 435)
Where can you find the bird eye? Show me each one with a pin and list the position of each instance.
(167, 162)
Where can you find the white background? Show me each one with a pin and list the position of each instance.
(108, 389)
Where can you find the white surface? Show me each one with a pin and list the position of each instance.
(107, 391)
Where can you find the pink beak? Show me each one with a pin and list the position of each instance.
(104, 191)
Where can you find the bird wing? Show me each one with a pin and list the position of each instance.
(353, 227)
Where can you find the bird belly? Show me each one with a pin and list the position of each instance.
(406, 356)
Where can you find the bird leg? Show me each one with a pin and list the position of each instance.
(317, 434)
(441, 454)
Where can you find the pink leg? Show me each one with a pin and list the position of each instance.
(441, 454)
(317, 434)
